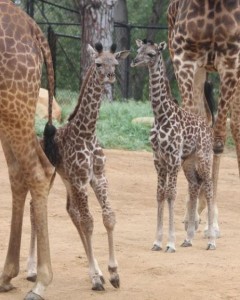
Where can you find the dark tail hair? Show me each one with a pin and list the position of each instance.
(49, 146)
(208, 92)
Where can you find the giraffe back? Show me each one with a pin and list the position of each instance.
(23, 47)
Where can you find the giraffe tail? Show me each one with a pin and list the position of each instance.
(208, 92)
(49, 145)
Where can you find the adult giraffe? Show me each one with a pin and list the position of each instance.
(22, 49)
(204, 36)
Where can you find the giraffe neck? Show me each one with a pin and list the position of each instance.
(85, 116)
(160, 94)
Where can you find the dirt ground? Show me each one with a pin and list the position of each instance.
(189, 274)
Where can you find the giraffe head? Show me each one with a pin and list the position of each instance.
(147, 53)
(106, 61)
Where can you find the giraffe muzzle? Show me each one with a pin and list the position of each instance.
(134, 62)
(110, 77)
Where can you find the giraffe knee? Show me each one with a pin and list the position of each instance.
(109, 220)
(87, 224)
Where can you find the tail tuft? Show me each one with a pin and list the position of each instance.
(208, 91)
(50, 147)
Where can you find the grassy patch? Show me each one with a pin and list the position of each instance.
(115, 128)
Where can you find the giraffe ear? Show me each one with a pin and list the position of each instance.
(139, 43)
(162, 46)
(122, 54)
(92, 52)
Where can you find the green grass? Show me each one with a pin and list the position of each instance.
(114, 126)
(116, 130)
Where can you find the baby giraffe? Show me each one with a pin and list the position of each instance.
(178, 139)
(81, 161)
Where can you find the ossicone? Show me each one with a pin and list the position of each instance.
(99, 47)
(113, 48)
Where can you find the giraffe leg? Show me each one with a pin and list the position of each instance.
(209, 196)
(32, 264)
(228, 91)
(39, 203)
(19, 192)
(201, 205)
(192, 208)
(100, 186)
(235, 121)
(215, 173)
(162, 176)
(29, 172)
(194, 185)
(193, 100)
(78, 210)
(171, 192)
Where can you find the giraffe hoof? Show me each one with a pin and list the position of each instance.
(186, 244)
(98, 287)
(211, 247)
(156, 248)
(115, 281)
(32, 278)
(218, 146)
(33, 296)
(6, 288)
(170, 250)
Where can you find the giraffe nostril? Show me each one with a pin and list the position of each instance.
(134, 61)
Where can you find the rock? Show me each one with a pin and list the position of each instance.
(42, 106)
(143, 120)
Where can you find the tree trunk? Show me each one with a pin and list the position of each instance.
(122, 38)
(97, 26)
(139, 75)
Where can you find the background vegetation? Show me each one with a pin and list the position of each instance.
(115, 128)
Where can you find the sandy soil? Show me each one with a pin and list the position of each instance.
(189, 274)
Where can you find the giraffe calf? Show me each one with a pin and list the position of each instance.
(179, 139)
(81, 161)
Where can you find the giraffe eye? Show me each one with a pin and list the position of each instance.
(151, 54)
(98, 65)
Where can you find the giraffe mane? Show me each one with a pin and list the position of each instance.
(72, 115)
